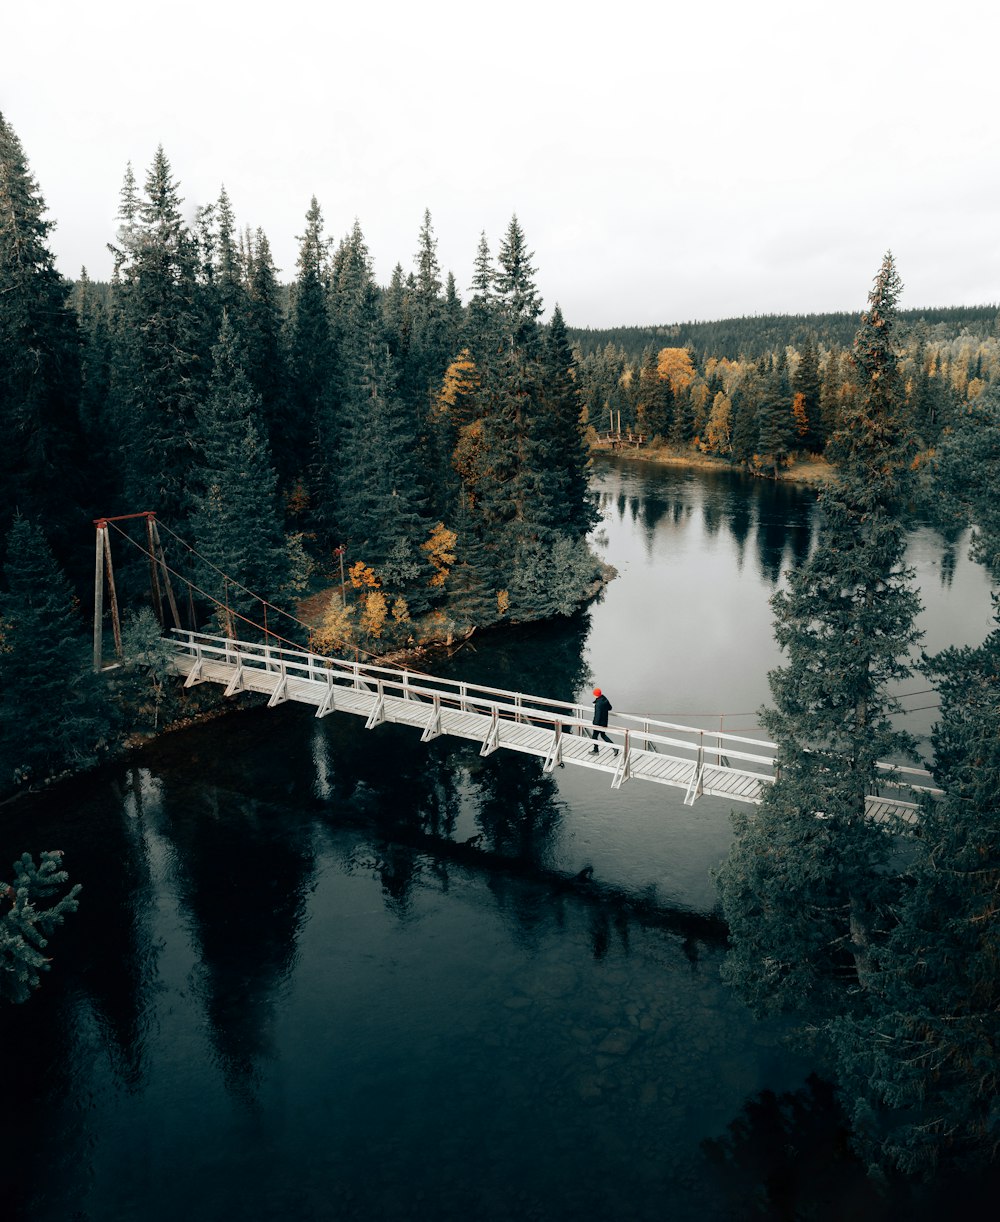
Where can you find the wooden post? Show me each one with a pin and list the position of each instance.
(99, 597)
(154, 580)
(115, 621)
(166, 573)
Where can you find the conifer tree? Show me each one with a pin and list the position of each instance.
(805, 888)
(429, 350)
(655, 410)
(39, 353)
(159, 350)
(264, 353)
(920, 1067)
(559, 457)
(775, 423)
(310, 424)
(481, 318)
(382, 503)
(53, 713)
(29, 913)
(807, 384)
(236, 519)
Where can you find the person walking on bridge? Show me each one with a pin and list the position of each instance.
(602, 707)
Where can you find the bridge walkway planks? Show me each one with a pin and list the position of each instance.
(554, 731)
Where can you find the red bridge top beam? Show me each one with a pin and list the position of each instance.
(122, 517)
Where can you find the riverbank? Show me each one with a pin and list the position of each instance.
(808, 469)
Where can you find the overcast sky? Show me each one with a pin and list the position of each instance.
(667, 162)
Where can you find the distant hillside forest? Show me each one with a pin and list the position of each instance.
(757, 335)
(755, 391)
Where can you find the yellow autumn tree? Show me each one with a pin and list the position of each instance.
(362, 577)
(456, 397)
(718, 431)
(374, 614)
(440, 549)
(675, 366)
(336, 630)
(799, 414)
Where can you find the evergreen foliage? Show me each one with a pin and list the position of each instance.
(921, 1064)
(236, 518)
(29, 921)
(805, 887)
(160, 342)
(53, 714)
(39, 353)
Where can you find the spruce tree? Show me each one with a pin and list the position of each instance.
(382, 503)
(265, 355)
(805, 888)
(920, 1067)
(775, 423)
(311, 420)
(29, 913)
(807, 384)
(53, 712)
(237, 519)
(159, 366)
(39, 354)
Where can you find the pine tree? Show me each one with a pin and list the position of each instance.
(39, 354)
(53, 713)
(806, 887)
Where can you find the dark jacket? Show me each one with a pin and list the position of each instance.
(602, 707)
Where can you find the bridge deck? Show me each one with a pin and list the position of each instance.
(700, 763)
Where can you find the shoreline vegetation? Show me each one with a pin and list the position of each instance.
(810, 469)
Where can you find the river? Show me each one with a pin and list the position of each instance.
(323, 972)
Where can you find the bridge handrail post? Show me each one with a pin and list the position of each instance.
(463, 691)
(406, 685)
(356, 667)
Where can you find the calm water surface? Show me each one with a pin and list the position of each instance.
(320, 972)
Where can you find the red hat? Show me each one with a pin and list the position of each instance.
(597, 691)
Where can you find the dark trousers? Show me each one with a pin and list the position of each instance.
(596, 734)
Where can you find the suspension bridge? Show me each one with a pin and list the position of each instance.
(699, 762)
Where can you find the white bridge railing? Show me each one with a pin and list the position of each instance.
(642, 748)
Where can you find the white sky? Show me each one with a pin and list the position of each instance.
(667, 161)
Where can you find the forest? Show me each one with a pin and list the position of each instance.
(440, 448)
(400, 466)
(763, 391)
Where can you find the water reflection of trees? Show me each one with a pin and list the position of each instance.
(787, 1156)
(104, 961)
(546, 659)
(242, 870)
